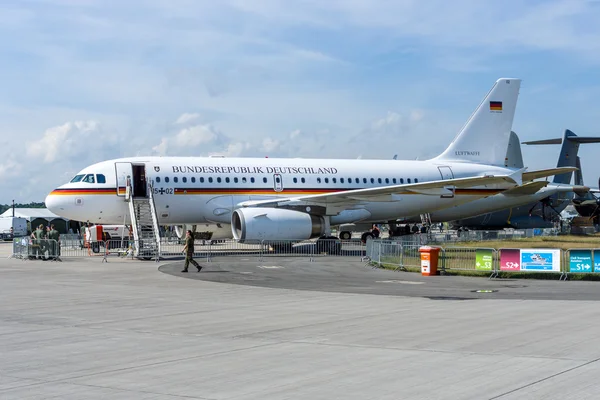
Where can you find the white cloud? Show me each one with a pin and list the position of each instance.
(236, 149)
(67, 140)
(196, 135)
(9, 167)
(187, 117)
(295, 133)
(270, 145)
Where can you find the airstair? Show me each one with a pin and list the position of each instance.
(144, 221)
(426, 222)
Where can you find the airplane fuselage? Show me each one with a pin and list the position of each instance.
(206, 190)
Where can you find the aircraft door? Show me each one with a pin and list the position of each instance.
(123, 170)
(446, 173)
(139, 181)
(277, 183)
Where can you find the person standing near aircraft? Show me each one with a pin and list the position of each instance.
(55, 243)
(188, 249)
(38, 236)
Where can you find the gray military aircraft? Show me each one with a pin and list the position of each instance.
(544, 212)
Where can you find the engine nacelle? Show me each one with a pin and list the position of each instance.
(254, 224)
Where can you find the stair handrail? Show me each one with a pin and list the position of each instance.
(134, 221)
(155, 226)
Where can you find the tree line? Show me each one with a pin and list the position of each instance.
(33, 204)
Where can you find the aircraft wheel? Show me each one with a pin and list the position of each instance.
(345, 235)
(365, 236)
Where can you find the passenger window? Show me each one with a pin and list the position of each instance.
(201, 179)
(416, 180)
(167, 179)
(244, 180)
(387, 180)
(372, 180)
(77, 178)
(303, 180)
(210, 179)
(193, 179)
(219, 179)
(176, 179)
(252, 180)
(235, 180)
(227, 179)
(318, 180)
(326, 180)
(184, 179)
(333, 180)
(394, 180)
(158, 179)
(341, 180)
(264, 180)
(295, 180)
(101, 178)
(402, 181)
(379, 180)
(89, 178)
(408, 180)
(364, 180)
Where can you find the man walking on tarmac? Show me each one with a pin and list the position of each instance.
(189, 252)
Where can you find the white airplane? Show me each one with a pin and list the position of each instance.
(298, 199)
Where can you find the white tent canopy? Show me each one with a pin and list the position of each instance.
(32, 213)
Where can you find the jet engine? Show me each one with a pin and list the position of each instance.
(254, 224)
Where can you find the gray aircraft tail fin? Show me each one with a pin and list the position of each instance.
(578, 173)
(568, 152)
(514, 157)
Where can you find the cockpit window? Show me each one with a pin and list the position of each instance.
(77, 178)
(89, 178)
(100, 178)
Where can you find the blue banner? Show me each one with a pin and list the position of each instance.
(540, 260)
(596, 260)
(580, 261)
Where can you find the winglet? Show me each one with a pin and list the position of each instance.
(517, 176)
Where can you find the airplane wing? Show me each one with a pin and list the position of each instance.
(526, 189)
(385, 193)
(542, 173)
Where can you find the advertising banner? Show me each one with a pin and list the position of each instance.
(484, 259)
(580, 261)
(510, 259)
(596, 260)
(540, 260)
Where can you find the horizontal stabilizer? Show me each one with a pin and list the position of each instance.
(574, 139)
(543, 173)
(526, 189)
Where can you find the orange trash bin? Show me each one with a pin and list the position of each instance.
(429, 260)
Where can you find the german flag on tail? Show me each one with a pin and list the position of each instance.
(495, 106)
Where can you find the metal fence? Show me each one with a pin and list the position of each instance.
(402, 255)
(47, 249)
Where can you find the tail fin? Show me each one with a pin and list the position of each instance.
(484, 138)
(514, 157)
(568, 152)
(578, 173)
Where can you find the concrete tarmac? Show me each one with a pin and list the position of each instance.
(348, 275)
(83, 329)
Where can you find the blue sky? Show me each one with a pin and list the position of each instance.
(87, 80)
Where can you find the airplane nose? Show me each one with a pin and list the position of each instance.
(52, 202)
